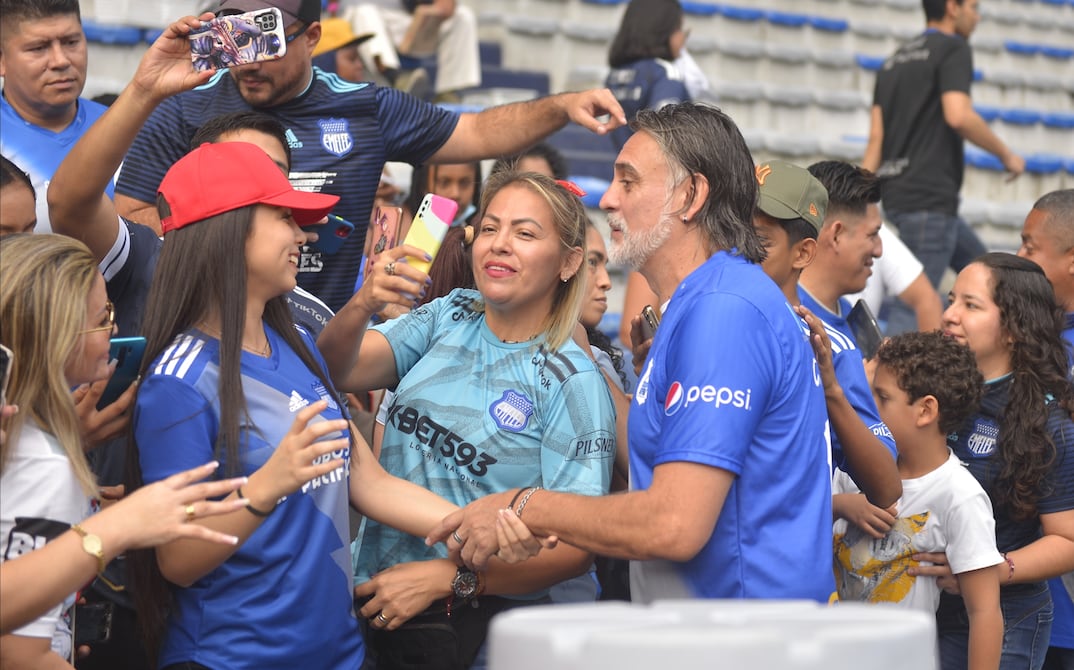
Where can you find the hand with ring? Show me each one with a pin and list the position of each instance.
(398, 285)
(404, 591)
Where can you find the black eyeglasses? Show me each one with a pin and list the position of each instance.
(111, 320)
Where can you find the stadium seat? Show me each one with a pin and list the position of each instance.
(596, 12)
(830, 34)
(834, 69)
(840, 112)
(787, 64)
(740, 23)
(529, 42)
(744, 102)
(582, 44)
(114, 51)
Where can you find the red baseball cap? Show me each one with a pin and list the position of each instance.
(217, 178)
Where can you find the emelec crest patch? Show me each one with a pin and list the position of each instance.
(336, 136)
(512, 411)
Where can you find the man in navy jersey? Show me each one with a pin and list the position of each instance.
(731, 493)
(340, 134)
(43, 62)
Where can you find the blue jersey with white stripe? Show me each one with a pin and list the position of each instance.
(39, 151)
(850, 371)
(473, 415)
(283, 599)
(340, 134)
(730, 382)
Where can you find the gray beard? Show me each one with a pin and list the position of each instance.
(637, 247)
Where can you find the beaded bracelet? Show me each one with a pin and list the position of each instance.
(1010, 565)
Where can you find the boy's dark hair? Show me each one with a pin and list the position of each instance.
(850, 188)
(16, 11)
(798, 229)
(932, 364)
(11, 174)
(211, 130)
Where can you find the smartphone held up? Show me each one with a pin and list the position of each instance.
(238, 39)
(431, 223)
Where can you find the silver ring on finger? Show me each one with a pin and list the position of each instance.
(455, 534)
(381, 618)
(390, 269)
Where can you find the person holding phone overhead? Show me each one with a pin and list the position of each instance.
(491, 395)
(57, 322)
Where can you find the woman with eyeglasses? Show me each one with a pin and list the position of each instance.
(57, 322)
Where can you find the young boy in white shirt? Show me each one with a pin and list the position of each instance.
(925, 385)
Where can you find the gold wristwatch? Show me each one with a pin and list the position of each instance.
(91, 544)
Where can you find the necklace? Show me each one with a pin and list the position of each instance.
(262, 352)
(519, 341)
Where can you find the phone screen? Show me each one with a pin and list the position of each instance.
(238, 39)
(5, 372)
(866, 331)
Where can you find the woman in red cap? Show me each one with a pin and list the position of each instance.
(228, 375)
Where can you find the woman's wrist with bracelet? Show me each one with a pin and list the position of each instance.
(1006, 569)
(257, 504)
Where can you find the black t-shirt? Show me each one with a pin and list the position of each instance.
(921, 156)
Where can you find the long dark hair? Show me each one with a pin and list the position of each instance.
(645, 31)
(202, 268)
(598, 339)
(1034, 323)
(423, 180)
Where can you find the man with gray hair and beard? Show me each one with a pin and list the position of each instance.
(728, 461)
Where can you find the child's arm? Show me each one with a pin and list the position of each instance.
(980, 591)
(856, 508)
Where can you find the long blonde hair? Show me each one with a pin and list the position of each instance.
(44, 282)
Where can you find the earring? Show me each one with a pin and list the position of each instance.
(685, 218)
(468, 235)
